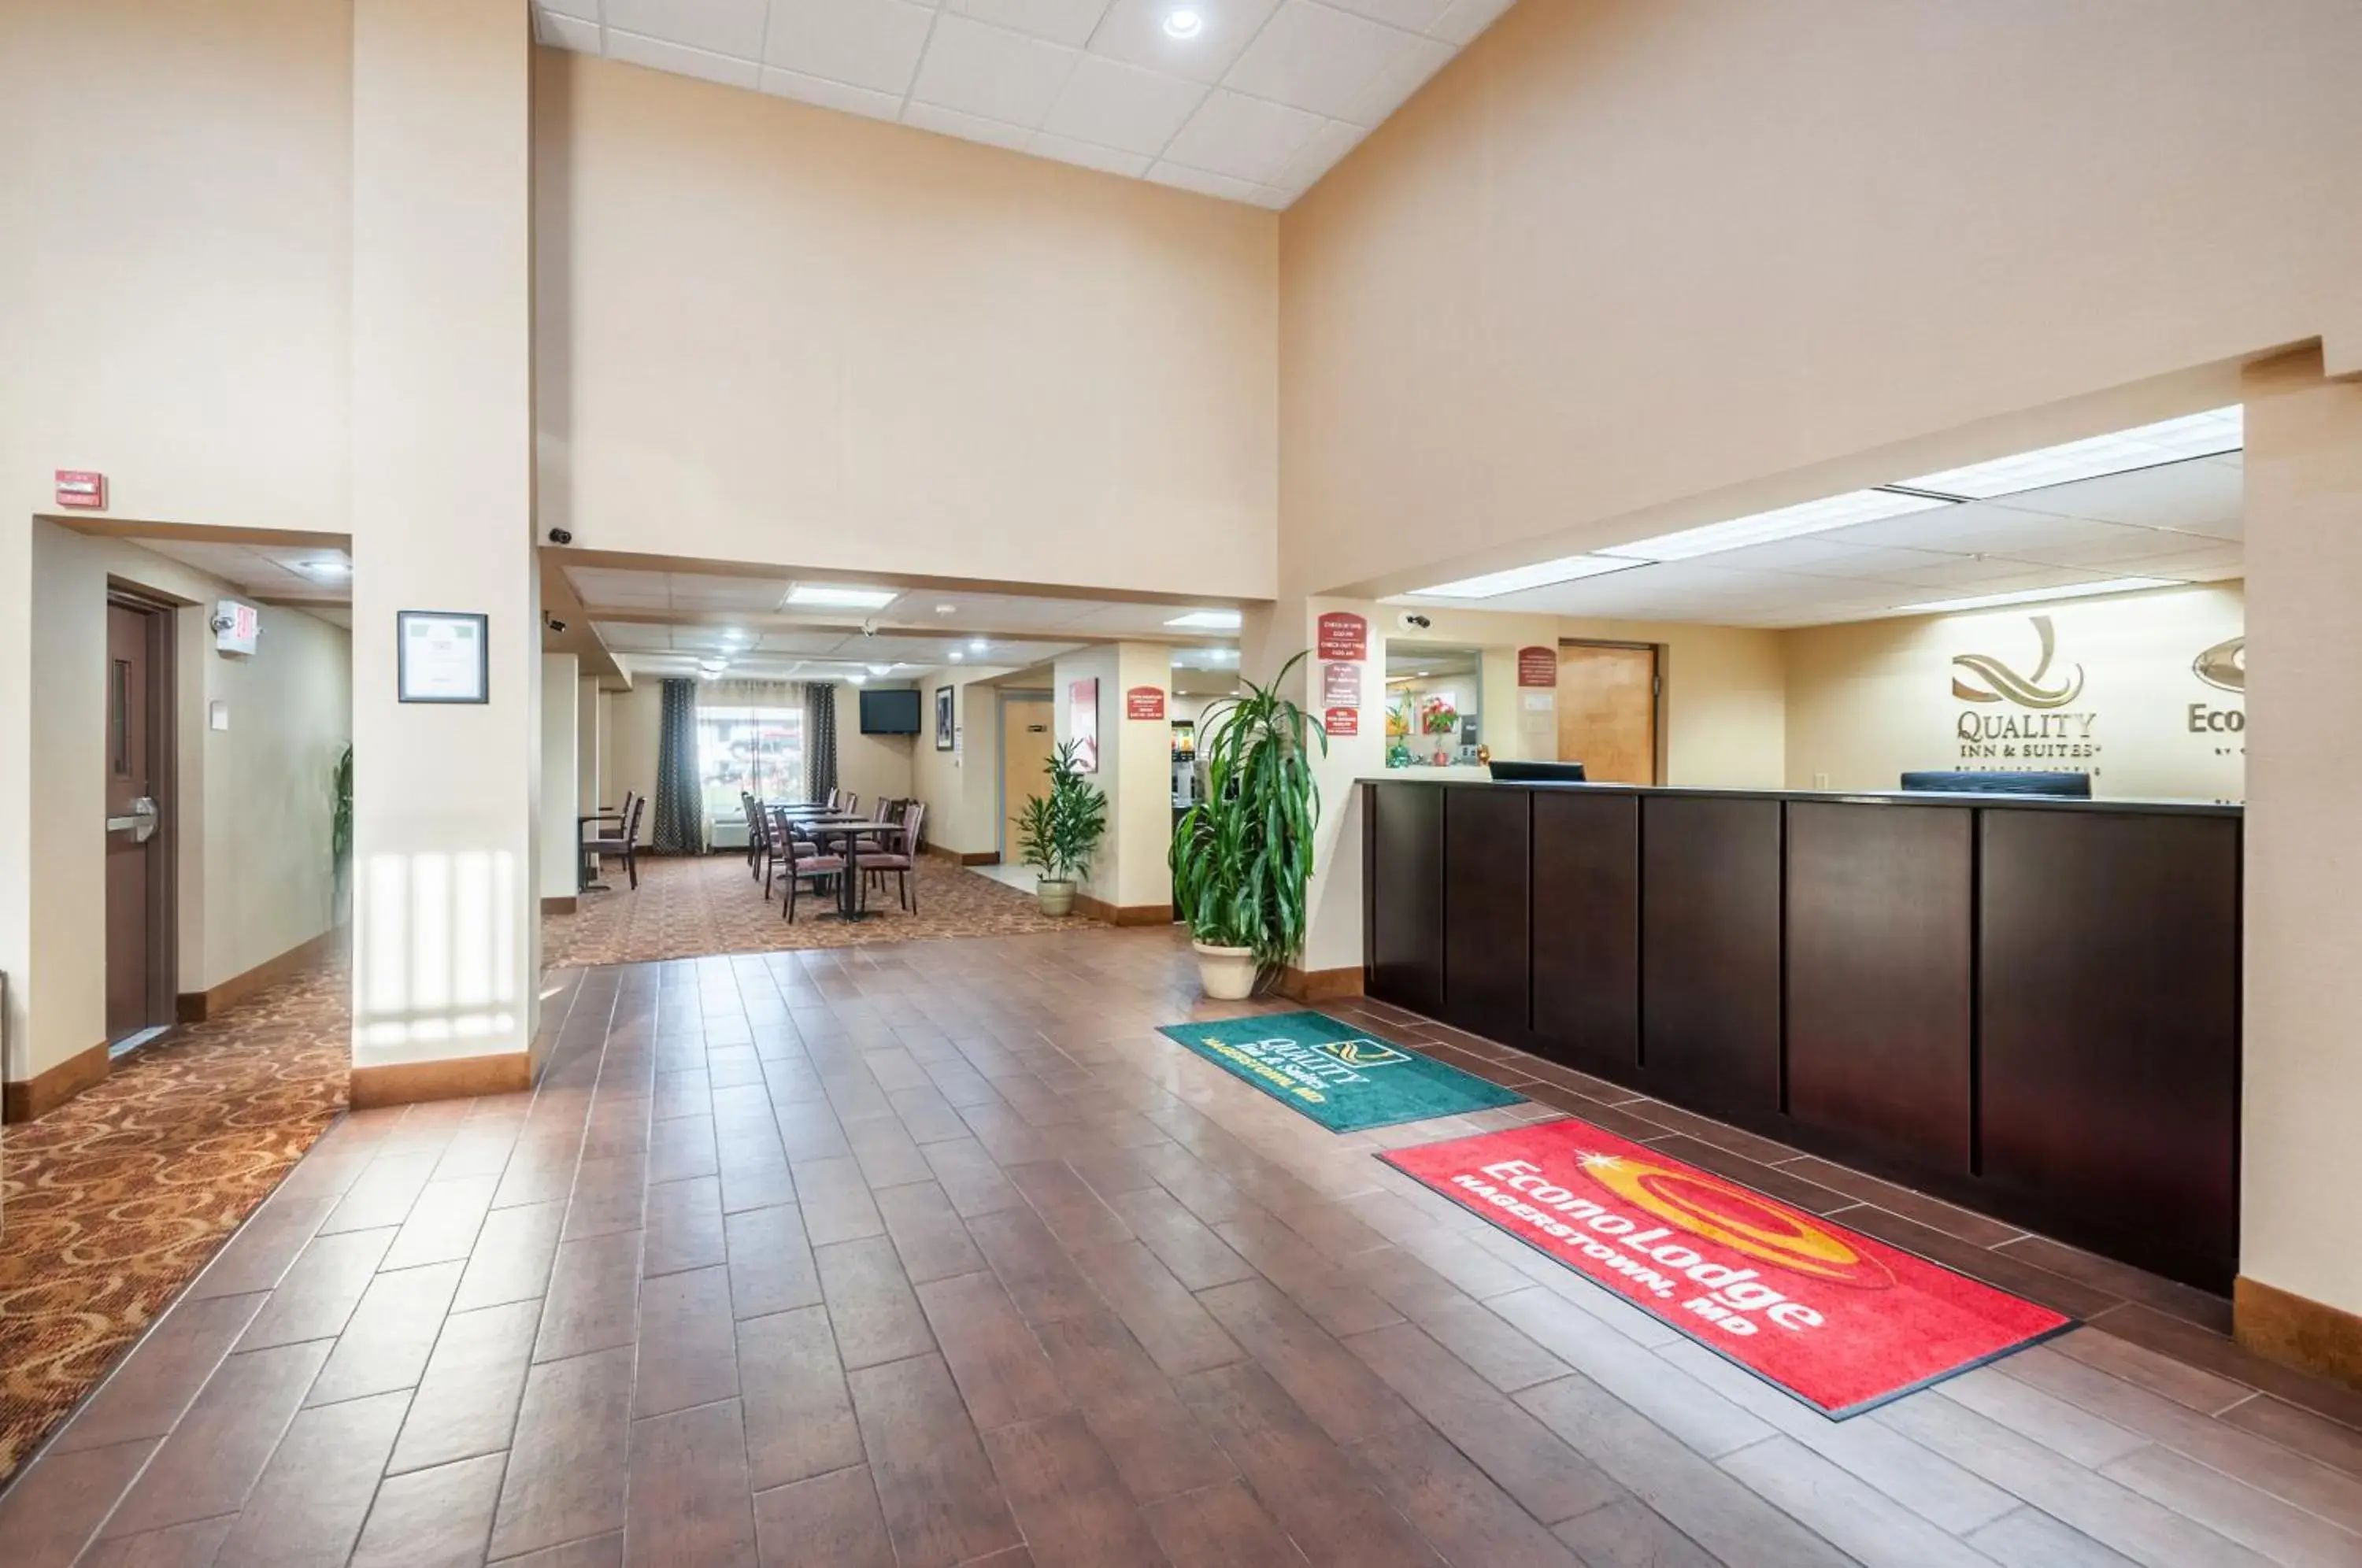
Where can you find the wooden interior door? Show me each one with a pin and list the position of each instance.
(1608, 711)
(1029, 735)
(138, 928)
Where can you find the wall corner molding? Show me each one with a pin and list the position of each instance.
(27, 1099)
(452, 1077)
(2296, 1331)
(1320, 985)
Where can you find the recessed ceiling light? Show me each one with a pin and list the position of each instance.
(978, 644)
(327, 568)
(946, 609)
(2207, 435)
(856, 677)
(837, 596)
(1184, 22)
(957, 655)
(1784, 522)
(713, 665)
(881, 669)
(2037, 595)
(1208, 620)
(1542, 574)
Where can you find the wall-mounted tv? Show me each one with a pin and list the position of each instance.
(889, 713)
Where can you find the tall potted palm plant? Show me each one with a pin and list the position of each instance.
(1242, 855)
(1059, 832)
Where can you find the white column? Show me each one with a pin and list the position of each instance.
(447, 933)
(2300, 1228)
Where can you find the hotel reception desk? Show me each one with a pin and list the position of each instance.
(2028, 1007)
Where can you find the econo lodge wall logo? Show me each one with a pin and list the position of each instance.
(1999, 683)
(2225, 664)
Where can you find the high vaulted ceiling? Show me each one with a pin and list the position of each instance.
(1255, 105)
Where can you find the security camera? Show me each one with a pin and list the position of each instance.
(869, 628)
(561, 537)
(555, 625)
(1412, 621)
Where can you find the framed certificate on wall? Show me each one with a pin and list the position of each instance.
(442, 657)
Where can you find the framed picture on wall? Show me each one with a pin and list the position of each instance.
(441, 657)
(1083, 722)
(946, 736)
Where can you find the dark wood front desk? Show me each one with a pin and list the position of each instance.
(2031, 1007)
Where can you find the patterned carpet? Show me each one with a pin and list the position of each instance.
(117, 1199)
(689, 907)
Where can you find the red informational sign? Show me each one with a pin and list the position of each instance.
(1145, 703)
(1837, 1318)
(1537, 666)
(1343, 636)
(82, 488)
(1341, 685)
(1343, 720)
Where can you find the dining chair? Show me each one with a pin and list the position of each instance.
(815, 865)
(626, 842)
(902, 858)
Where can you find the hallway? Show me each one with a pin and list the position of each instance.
(937, 1253)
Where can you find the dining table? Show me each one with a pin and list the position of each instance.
(848, 833)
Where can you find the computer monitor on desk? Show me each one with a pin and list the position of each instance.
(1537, 772)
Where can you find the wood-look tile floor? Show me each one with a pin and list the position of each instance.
(938, 1254)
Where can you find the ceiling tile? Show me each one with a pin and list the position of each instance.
(968, 127)
(2205, 496)
(1315, 57)
(991, 72)
(576, 10)
(1069, 22)
(659, 55)
(1332, 141)
(1416, 15)
(1245, 138)
(1182, 177)
(830, 94)
(1395, 84)
(1066, 149)
(1133, 31)
(873, 44)
(1109, 103)
(1467, 18)
(732, 28)
(566, 32)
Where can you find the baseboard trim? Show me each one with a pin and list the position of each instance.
(962, 856)
(43, 1092)
(195, 1007)
(1122, 914)
(2294, 1330)
(1320, 985)
(453, 1077)
(566, 904)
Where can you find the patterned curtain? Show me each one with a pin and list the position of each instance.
(820, 739)
(681, 806)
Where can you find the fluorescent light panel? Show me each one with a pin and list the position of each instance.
(836, 596)
(1208, 621)
(1542, 574)
(1786, 523)
(2037, 595)
(2206, 435)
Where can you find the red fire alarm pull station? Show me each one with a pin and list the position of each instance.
(82, 488)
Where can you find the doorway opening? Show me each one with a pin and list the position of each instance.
(142, 830)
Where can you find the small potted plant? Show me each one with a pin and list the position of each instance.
(1060, 832)
(1242, 857)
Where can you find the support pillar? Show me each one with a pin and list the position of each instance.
(2298, 1297)
(447, 933)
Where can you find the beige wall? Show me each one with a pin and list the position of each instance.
(877, 767)
(1869, 700)
(2301, 1229)
(1626, 255)
(1135, 770)
(773, 333)
(255, 873)
(961, 787)
(561, 762)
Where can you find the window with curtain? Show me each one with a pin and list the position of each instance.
(750, 740)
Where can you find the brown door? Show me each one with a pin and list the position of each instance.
(1608, 711)
(138, 921)
(1028, 737)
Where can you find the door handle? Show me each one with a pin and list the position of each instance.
(142, 822)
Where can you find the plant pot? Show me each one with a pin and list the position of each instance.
(1228, 974)
(1056, 897)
